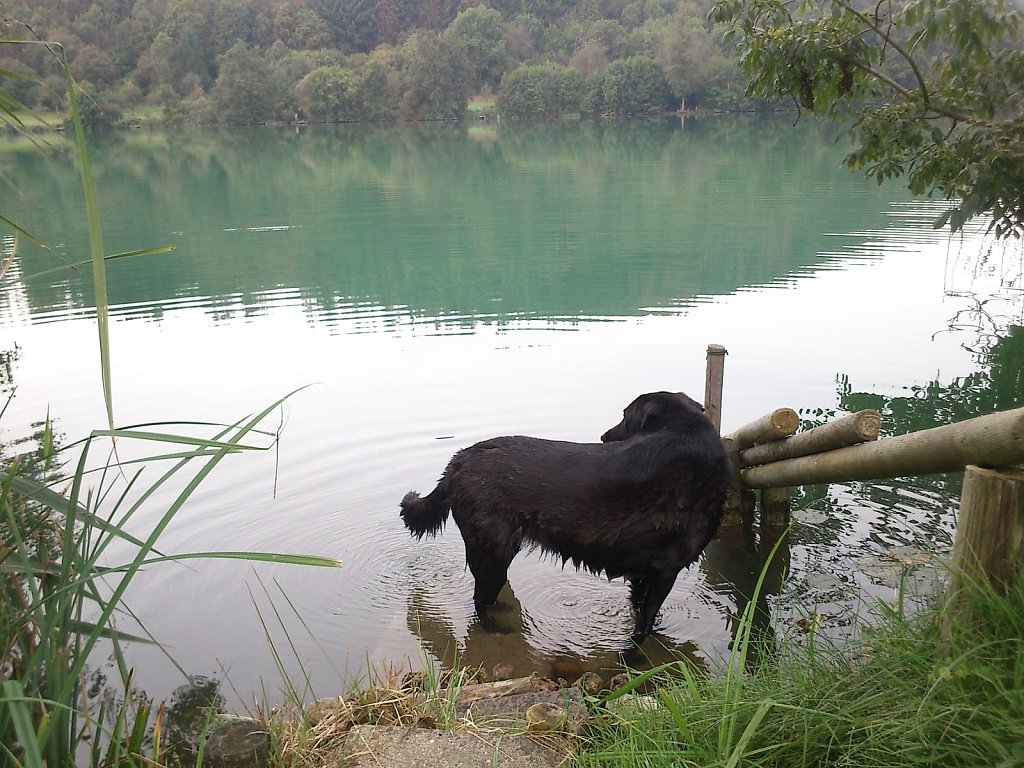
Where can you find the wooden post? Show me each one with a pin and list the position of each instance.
(995, 440)
(713, 383)
(739, 501)
(779, 423)
(988, 551)
(775, 504)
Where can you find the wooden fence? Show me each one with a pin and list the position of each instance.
(770, 455)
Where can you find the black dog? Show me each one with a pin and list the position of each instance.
(642, 504)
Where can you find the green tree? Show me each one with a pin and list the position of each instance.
(635, 86)
(94, 114)
(373, 90)
(479, 33)
(20, 83)
(695, 66)
(154, 68)
(133, 35)
(435, 77)
(608, 35)
(328, 93)
(935, 89)
(245, 91)
(98, 67)
(232, 23)
(299, 27)
(539, 90)
(524, 35)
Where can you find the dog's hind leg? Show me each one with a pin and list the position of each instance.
(490, 572)
(489, 575)
(647, 595)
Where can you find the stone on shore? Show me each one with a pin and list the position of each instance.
(395, 747)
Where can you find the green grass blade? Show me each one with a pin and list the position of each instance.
(748, 734)
(25, 233)
(82, 627)
(241, 430)
(635, 682)
(64, 506)
(312, 561)
(158, 437)
(78, 264)
(737, 660)
(99, 273)
(677, 714)
(19, 709)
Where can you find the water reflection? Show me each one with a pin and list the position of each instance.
(502, 637)
(732, 566)
(420, 224)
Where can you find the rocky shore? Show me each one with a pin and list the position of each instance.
(527, 722)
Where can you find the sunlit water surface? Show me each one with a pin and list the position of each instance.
(419, 289)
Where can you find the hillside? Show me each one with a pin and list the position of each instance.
(244, 61)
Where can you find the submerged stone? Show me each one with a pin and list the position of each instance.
(238, 743)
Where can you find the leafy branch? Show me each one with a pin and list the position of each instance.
(944, 111)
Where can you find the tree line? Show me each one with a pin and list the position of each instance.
(251, 61)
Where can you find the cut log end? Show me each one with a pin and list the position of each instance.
(785, 421)
(866, 425)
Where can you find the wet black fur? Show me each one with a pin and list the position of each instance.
(642, 504)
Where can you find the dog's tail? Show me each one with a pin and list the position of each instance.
(426, 515)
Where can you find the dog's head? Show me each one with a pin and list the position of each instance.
(657, 412)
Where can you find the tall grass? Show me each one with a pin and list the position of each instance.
(63, 571)
(903, 695)
(63, 582)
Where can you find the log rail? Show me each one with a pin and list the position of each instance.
(768, 454)
(995, 440)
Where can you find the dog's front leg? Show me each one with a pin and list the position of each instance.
(647, 595)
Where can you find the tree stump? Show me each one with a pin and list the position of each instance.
(989, 544)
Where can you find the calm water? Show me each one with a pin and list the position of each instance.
(437, 285)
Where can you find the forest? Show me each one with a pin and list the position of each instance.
(255, 61)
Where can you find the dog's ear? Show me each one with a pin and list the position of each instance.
(659, 410)
(649, 416)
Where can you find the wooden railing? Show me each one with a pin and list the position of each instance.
(770, 455)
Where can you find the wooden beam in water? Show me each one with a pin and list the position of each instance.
(995, 440)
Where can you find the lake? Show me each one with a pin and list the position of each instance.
(427, 286)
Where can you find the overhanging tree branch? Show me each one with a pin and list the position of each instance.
(952, 126)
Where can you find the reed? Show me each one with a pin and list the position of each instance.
(64, 577)
(63, 563)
